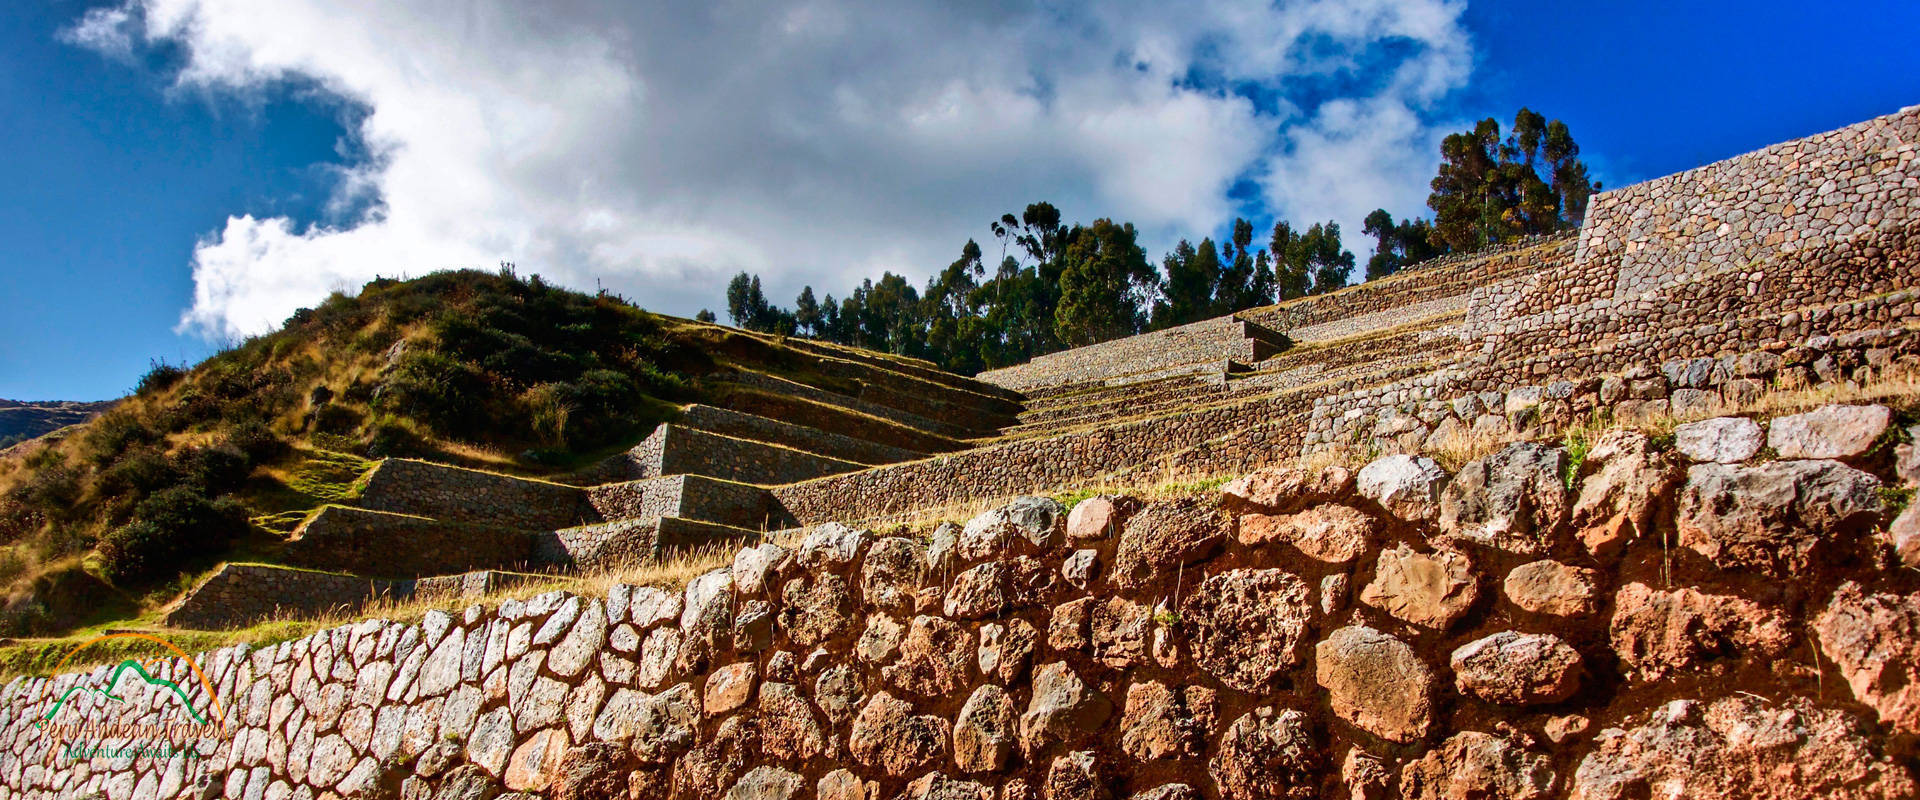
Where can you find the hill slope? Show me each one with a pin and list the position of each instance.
(471, 368)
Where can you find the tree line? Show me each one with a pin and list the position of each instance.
(1058, 285)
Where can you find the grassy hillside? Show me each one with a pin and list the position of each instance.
(107, 519)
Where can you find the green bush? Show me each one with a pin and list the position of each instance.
(110, 434)
(445, 394)
(159, 377)
(169, 529)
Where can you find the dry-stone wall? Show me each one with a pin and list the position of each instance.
(389, 545)
(1695, 618)
(237, 595)
(426, 489)
(1433, 286)
(1767, 252)
(762, 429)
(240, 594)
(1826, 204)
(675, 449)
(1208, 341)
(691, 496)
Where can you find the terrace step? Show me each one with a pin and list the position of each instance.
(457, 494)
(608, 545)
(742, 425)
(385, 544)
(783, 386)
(676, 449)
(693, 497)
(239, 595)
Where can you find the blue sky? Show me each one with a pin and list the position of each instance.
(180, 159)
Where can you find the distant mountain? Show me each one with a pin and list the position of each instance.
(20, 421)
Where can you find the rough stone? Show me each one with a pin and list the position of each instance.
(1829, 431)
(1267, 754)
(1161, 723)
(983, 734)
(1328, 532)
(1875, 640)
(1517, 668)
(830, 547)
(1904, 535)
(1618, 502)
(892, 573)
(888, 736)
(1282, 490)
(1432, 590)
(1118, 632)
(1006, 650)
(1247, 626)
(937, 786)
(1097, 518)
(1075, 776)
(841, 784)
(838, 691)
(1471, 765)
(1740, 748)
(1727, 440)
(1376, 682)
(756, 568)
(997, 587)
(1364, 776)
(815, 610)
(1081, 568)
(880, 643)
(1552, 588)
(1162, 538)
(766, 783)
(1773, 517)
(788, 730)
(1407, 486)
(1656, 632)
(934, 658)
(590, 772)
(730, 687)
(710, 768)
(1063, 708)
(1514, 500)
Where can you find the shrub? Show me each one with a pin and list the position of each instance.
(110, 434)
(390, 437)
(441, 392)
(139, 471)
(159, 377)
(334, 418)
(170, 528)
(216, 470)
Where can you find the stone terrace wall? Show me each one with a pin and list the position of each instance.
(689, 496)
(763, 429)
(1648, 631)
(1449, 277)
(687, 451)
(236, 595)
(346, 539)
(1210, 340)
(425, 489)
(1829, 192)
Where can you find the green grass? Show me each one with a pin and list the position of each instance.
(43, 656)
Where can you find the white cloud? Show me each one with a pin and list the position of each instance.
(662, 147)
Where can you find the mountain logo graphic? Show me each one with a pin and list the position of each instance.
(213, 716)
(113, 684)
